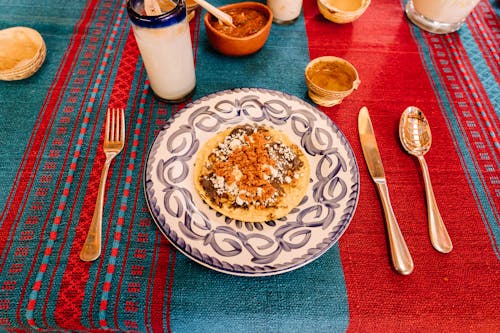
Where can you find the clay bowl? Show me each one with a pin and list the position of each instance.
(341, 11)
(330, 79)
(252, 38)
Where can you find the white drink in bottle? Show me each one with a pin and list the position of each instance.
(165, 45)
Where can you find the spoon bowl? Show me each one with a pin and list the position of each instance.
(416, 139)
(414, 132)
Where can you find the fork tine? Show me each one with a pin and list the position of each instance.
(113, 124)
(122, 132)
(118, 125)
(108, 121)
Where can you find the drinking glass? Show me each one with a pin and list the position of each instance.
(439, 16)
(285, 11)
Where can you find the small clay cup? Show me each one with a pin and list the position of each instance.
(330, 79)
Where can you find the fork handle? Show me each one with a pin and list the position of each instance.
(92, 246)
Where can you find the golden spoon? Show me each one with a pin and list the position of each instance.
(416, 138)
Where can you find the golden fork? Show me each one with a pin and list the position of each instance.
(114, 140)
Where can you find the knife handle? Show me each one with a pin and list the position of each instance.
(401, 257)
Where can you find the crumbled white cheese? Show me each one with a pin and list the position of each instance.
(239, 201)
(236, 143)
(283, 156)
(274, 172)
(230, 143)
(219, 183)
(232, 189)
(237, 174)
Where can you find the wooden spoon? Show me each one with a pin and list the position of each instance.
(152, 7)
(223, 17)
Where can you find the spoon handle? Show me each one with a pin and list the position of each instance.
(218, 13)
(401, 257)
(437, 231)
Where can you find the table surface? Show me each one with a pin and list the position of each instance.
(51, 146)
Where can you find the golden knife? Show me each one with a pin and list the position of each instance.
(401, 258)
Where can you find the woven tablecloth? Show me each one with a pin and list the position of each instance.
(51, 158)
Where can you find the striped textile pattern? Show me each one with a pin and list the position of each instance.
(51, 146)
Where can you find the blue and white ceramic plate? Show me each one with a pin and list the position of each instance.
(251, 249)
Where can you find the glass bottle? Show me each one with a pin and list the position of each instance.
(165, 44)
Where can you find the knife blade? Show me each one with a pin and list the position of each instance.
(400, 255)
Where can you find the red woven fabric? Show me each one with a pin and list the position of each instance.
(453, 290)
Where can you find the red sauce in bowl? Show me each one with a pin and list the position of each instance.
(247, 21)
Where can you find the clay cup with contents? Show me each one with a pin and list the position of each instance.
(342, 11)
(330, 79)
(253, 22)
